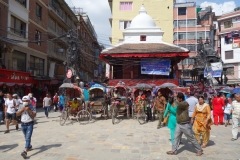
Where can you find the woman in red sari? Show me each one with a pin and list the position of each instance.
(218, 104)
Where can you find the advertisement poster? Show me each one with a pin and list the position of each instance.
(236, 42)
(210, 73)
(155, 67)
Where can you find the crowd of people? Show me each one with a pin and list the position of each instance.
(191, 114)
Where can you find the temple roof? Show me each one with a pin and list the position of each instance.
(145, 48)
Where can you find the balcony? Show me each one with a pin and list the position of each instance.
(54, 51)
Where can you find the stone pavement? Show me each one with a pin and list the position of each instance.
(101, 140)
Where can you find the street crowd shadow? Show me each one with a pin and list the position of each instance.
(44, 148)
(8, 147)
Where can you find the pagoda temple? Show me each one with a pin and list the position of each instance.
(143, 57)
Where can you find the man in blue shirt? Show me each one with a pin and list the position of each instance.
(86, 97)
(61, 102)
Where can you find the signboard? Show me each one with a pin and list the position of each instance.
(95, 73)
(216, 66)
(155, 67)
(236, 42)
(107, 70)
(210, 73)
(100, 69)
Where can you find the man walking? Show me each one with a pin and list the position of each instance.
(192, 101)
(1, 106)
(159, 105)
(235, 116)
(10, 107)
(33, 101)
(47, 102)
(55, 102)
(27, 113)
(183, 127)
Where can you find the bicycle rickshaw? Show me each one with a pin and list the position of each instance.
(119, 101)
(140, 102)
(97, 94)
(70, 92)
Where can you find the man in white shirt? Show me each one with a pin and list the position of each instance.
(192, 101)
(10, 107)
(235, 116)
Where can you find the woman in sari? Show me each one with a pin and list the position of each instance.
(172, 120)
(202, 121)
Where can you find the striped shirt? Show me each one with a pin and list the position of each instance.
(236, 107)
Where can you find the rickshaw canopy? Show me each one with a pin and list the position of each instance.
(98, 86)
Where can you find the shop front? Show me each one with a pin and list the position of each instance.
(16, 82)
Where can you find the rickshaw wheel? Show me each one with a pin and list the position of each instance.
(63, 117)
(141, 116)
(83, 117)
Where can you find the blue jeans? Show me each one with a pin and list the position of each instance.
(46, 108)
(1, 116)
(27, 130)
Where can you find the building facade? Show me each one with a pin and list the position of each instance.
(191, 23)
(229, 41)
(124, 11)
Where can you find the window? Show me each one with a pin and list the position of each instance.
(229, 54)
(182, 10)
(201, 34)
(191, 23)
(51, 24)
(22, 2)
(18, 27)
(227, 24)
(143, 38)
(191, 47)
(39, 11)
(181, 35)
(38, 37)
(187, 61)
(182, 23)
(191, 35)
(230, 71)
(228, 40)
(124, 24)
(126, 6)
(19, 61)
(37, 65)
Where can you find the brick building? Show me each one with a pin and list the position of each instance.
(190, 23)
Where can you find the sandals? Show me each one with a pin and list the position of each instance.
(233, 139)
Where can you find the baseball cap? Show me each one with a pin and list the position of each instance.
(14, 95)
(26, 98)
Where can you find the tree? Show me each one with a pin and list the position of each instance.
(237, 9)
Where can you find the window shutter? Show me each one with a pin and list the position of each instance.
(121, 25)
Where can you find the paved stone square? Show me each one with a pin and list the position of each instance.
(101, 140)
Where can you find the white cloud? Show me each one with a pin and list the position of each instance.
(99, 13)
(220, 8)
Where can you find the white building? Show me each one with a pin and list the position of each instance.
(229, 36)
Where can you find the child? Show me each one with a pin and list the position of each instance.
(227, 111)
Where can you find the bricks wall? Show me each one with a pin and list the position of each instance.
(41, 23)
(3, 19)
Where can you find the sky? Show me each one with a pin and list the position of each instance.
(99, 13)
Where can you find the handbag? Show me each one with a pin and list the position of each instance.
(165, 120)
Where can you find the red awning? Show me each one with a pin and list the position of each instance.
(145, 55)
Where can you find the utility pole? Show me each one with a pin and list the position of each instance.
(72, 58)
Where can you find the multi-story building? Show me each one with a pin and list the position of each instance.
(229, 41)
(33, 42)
(91, 67)
(124, 11)
(191, 23)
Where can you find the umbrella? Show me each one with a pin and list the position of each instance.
(169, 85)
(225, 91)
(164, 91)
(235, 91)
(67, 85)
(143, 86)
(98, 86)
